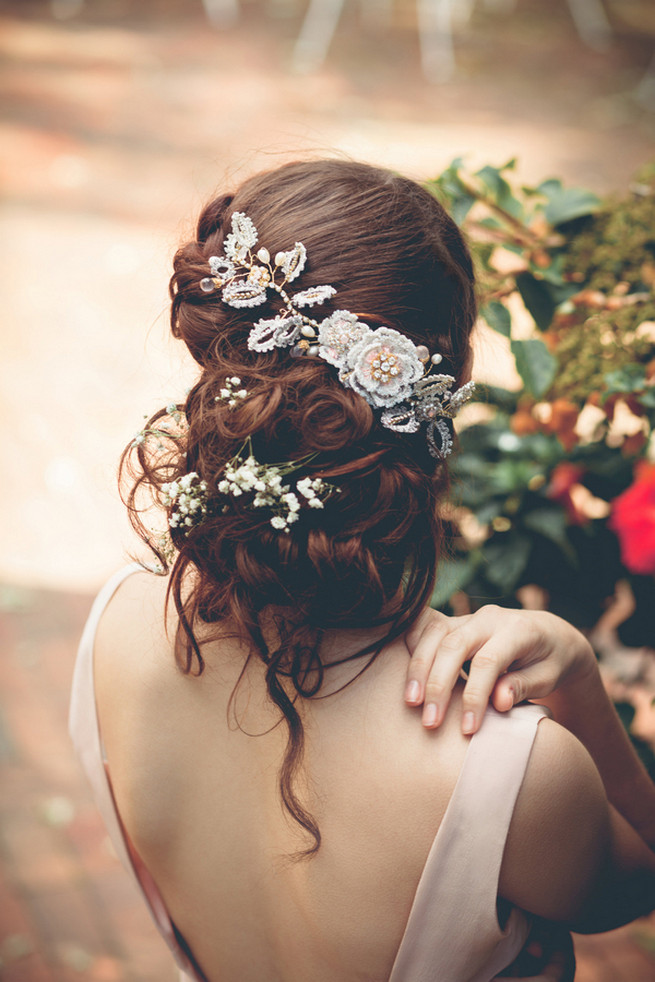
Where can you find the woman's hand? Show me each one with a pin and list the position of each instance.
(547, 957)
(514, 655)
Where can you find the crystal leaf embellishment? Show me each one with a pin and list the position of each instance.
(244, 294)
(293, 262)
(315, 294)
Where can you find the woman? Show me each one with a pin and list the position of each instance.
(284, 813)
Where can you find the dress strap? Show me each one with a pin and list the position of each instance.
(83, 719)
(85, 733)
(453, 928)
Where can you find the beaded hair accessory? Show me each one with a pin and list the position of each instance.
(383, 366)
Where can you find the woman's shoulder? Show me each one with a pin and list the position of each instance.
(133, 614)
(137, 684)
(558, 836)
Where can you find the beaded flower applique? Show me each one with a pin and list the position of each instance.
(383, 366)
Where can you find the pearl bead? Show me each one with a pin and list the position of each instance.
(307, 331)
(279, 258)
(207, 285)
(436, 359)
(422, 352)
(264, 255)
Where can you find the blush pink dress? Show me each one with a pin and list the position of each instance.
(452, 932)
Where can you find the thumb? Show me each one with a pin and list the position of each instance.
(509, 690)
(534, 682)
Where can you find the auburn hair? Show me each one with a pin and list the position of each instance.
(370, 556)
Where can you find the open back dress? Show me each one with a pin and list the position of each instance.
(452, 932)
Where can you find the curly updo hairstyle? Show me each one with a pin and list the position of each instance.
(369, 557)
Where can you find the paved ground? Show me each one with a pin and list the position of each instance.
(115, 124)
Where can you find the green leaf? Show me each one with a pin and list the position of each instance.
(537, 298)
(550, 186)
(565, 204)
(498, 317)
(500, 190)
(492, 178)
(460, 206)
(506, 555)
(535, 365)
(483, 252)
(495, 395)
(552, 524)
(452, 575)
(630, 378)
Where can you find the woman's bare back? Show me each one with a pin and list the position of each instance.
(200, 801)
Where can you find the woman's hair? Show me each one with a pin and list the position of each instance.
(369, 556)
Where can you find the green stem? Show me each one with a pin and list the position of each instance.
(526, 235)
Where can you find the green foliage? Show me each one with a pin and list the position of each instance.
(565, 204)
(532, 496)
(538, 299)
(535, 365)
(569, 245)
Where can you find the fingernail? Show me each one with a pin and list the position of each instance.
(430, 715)
(468, 723)
(413, 692)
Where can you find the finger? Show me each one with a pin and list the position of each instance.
(458, 646)
(425, 648)
(491, 666)
(532, 682)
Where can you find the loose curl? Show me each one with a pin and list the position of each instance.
(369, 557)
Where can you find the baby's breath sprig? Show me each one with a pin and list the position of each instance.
(232, 392)
(187, 498)
(265, 482)
(161, 433)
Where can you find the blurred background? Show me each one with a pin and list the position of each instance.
(118, 119)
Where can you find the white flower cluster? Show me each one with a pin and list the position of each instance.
(187, 499)
(231, 392)
(311, 489)
(270, 491)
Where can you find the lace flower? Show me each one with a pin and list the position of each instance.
(382, 368)
(338, 334)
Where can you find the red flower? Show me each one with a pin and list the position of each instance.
(564, 478)
(633, 520)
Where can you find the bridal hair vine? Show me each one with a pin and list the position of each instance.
(383, 366)
(260, 485)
